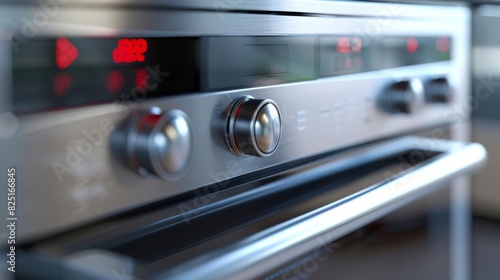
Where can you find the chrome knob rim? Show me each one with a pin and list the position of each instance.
(253, 127)
(404, 97)
(267, 128)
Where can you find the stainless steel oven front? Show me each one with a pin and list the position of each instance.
(236, 140)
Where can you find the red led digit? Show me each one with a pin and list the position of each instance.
(130, 50)
(114, 81)
(66, 53)
(443, 44)
(343, 45)
(348, 63)
(117, 56)
(62, 83)
(141, 48)
(124, 44)
(141, 77)
(357, 45)
(142, 45)
(411, 45)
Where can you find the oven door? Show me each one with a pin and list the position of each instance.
(390, 210)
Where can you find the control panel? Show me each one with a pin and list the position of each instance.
(107, 121)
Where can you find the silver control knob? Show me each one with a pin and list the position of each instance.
(438, 90)
(403, 97)
(156, 143)
(253, 127)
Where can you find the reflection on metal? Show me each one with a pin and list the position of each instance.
(253, 127)
(155, 143)
(275, 246)
(489, 10)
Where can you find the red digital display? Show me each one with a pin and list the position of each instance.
(115, 81)
(443, 44)
(349, 45)
(357, 45)
(343, 45)
(130, 50)
(66, 53)
(411, 45)
(62, 83)
(141, 76)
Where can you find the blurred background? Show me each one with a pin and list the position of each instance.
(486, 130)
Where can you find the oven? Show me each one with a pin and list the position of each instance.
(236, 140)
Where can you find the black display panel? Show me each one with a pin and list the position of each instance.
(245, 61)
(58, 73)
(68, 72)
(340, 55)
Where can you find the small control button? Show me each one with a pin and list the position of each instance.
(173, 143)
(403, 97)
(267, 128)
(157, 143)
(438, 90)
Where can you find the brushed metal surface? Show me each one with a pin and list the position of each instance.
(324, 7)
(69, 179)
(101, 184)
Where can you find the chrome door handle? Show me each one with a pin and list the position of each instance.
(286, 241)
